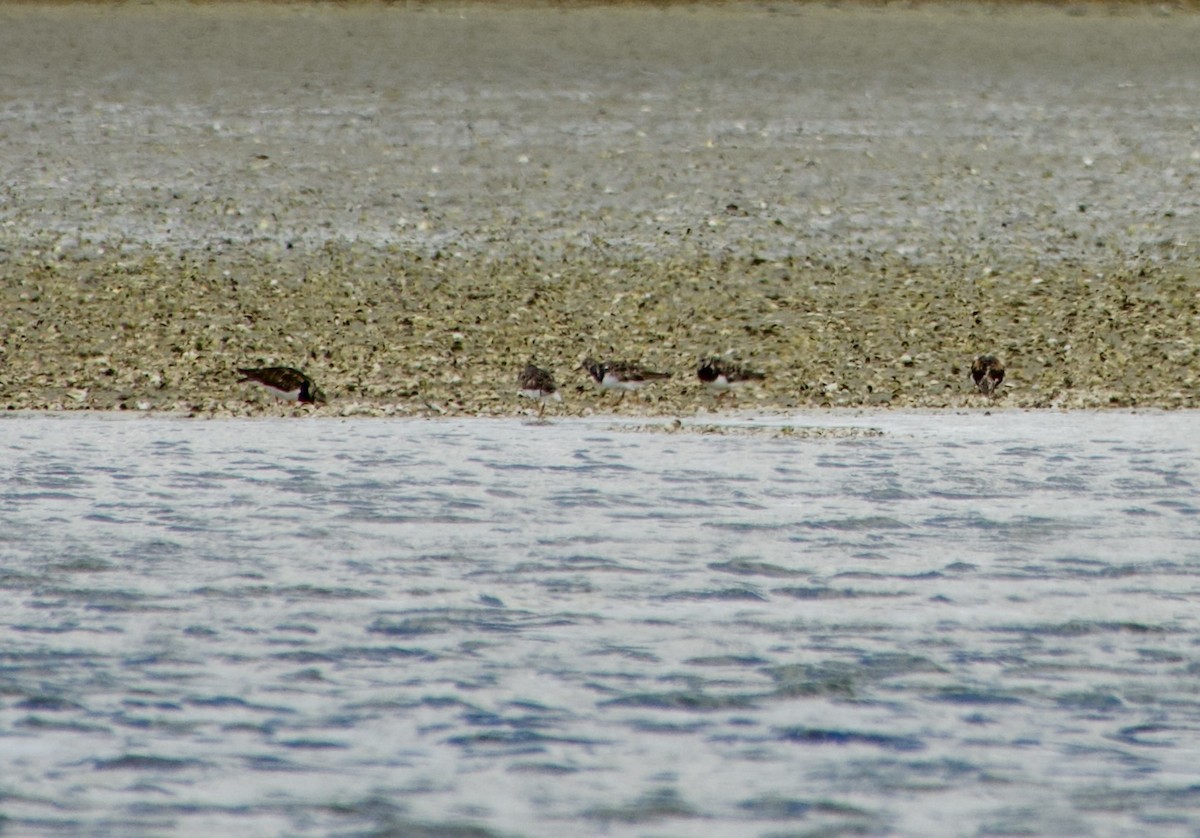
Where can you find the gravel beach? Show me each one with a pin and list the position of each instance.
(412, 202)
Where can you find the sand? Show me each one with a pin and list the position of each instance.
(411, 202)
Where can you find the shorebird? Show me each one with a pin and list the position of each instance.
(285, 383)
(987, 372)
(721, 377)
(537, 383)
(622, 375)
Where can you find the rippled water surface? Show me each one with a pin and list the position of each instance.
(966, 625)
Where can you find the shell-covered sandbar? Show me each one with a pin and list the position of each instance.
(412, 202)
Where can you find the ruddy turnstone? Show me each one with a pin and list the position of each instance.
(988, 372)
(285, 383)
(537, 383)
(622, 375)
(722, 376)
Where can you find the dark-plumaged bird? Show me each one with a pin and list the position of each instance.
(284, 383)
(536, 383)
(987, 371)
(721, 376)
(622, 375)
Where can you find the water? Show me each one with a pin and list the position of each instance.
(969, 625)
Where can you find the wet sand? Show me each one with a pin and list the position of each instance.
(410, 203)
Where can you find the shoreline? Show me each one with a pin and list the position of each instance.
(1156, 7)
(847, 422)
(409, 336)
